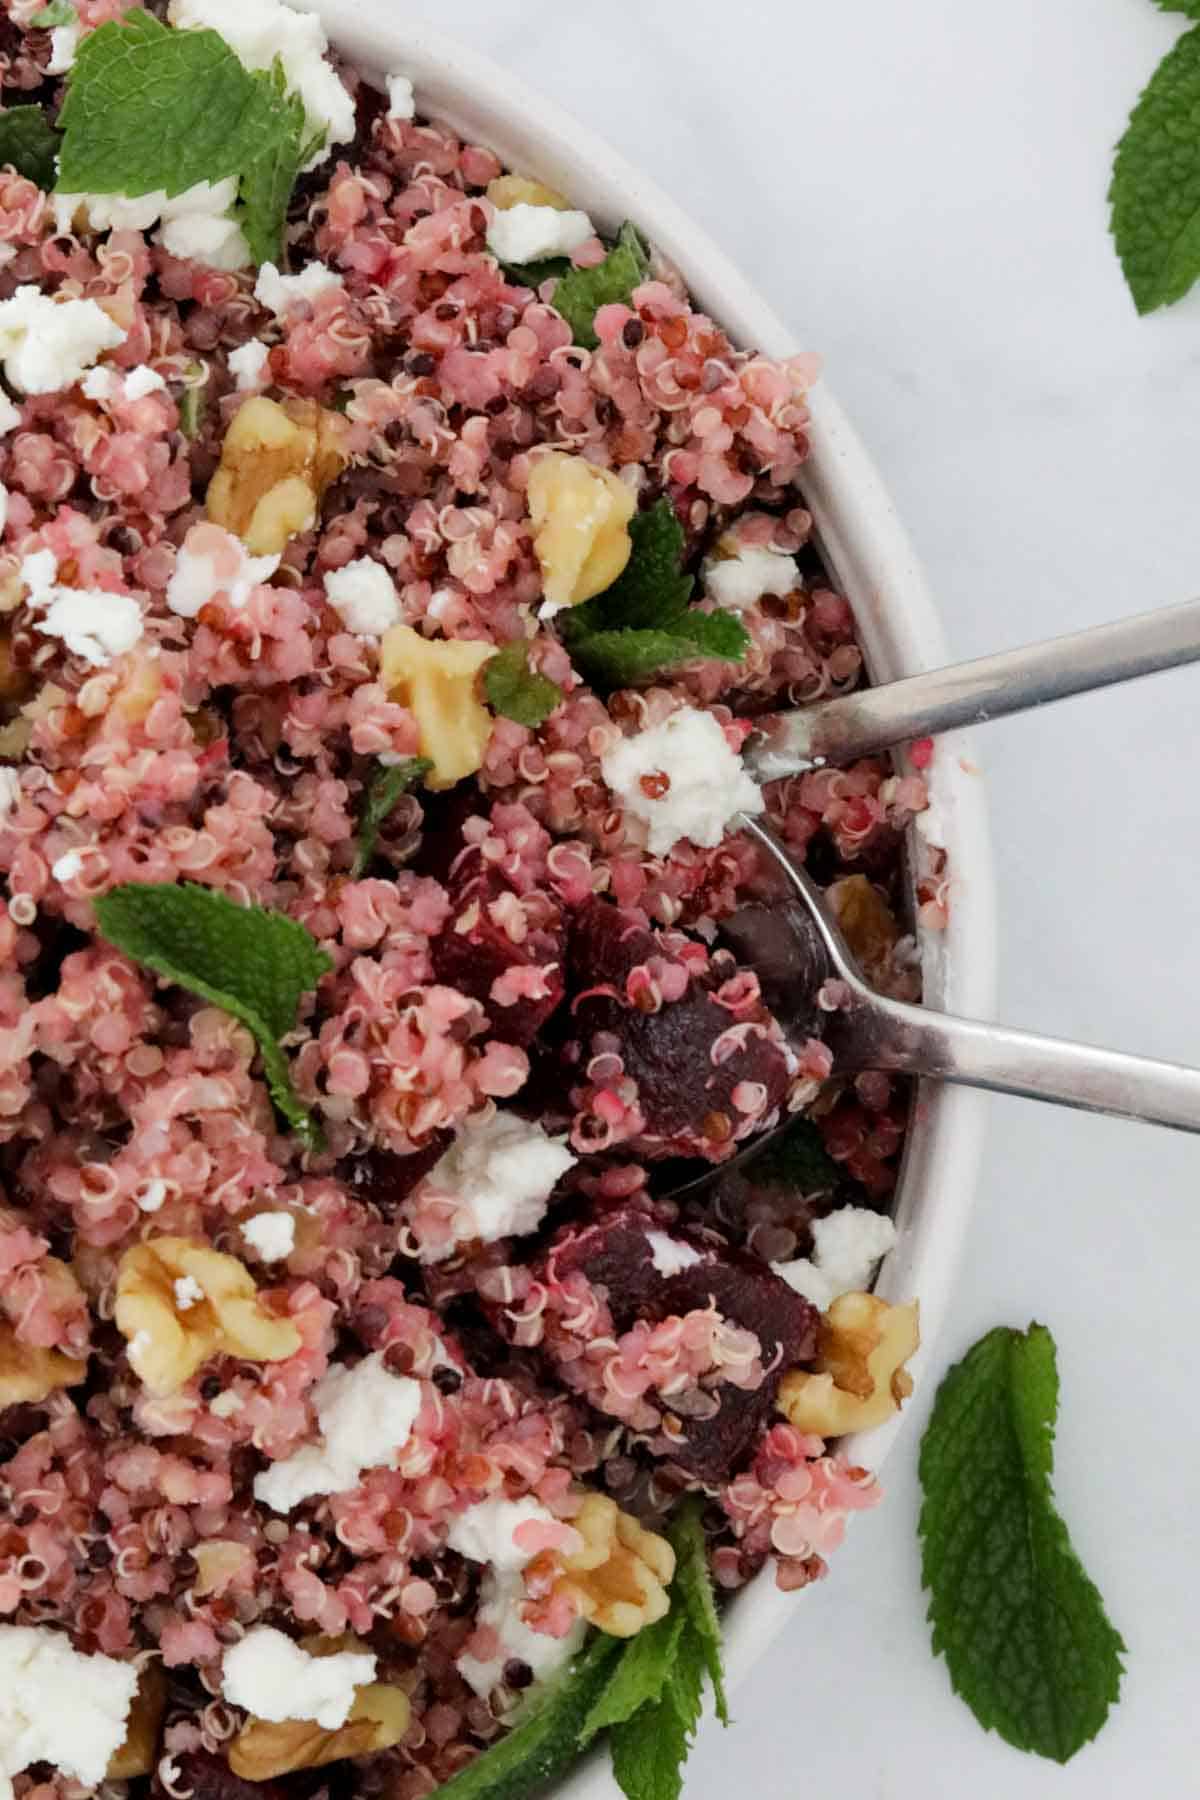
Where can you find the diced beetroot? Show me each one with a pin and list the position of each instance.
(205, 1776)
(614, 1252)
(384, 1178)
(678, 1055)
(505, 951)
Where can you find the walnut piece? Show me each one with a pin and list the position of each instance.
(378, 1720)
(521, 190)
(437, 679)
(218, 1561)
(860, 1379)
(581, 520)
(620, 1577)
(28, 1372)
(139, 1753)
(170, 1331)
(276, 463)
(16, 683)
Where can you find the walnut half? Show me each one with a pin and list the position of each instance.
(180, 1302)
(620, 1577)
(437, 679)
(860, 1379)
(276, 463)
(378, 1720)
(581, 520)
(28, 1373)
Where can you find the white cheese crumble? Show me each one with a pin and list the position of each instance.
(753, 570)
(47, 344)
(500, 1170)
(59, 1706)
(10, 791)
(275, 1679)
(106, 384)
(195, 224)
(364, 596)
(142, 381)
(258, 32)
(151, 1199)
(10, 415)
(220, 565)
(64, 42)
(225, 1405)
(847, 1247)
(67, 867)
(3, 507)
(501, 1600)
(92, 624)
(669, 1255)
(248, 363)
(279, 292)
(401, 100)
(485, 1532)
(188, 1293)
(365, 1415)
(272, 1234)
(524, 233)
(706, 783)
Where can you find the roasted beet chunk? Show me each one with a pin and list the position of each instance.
(748, 1293)
(209, 1777)
(503, 949)
(384, 1178)
(615, 1251)
(673, 1050)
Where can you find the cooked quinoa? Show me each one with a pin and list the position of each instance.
(370, 1385)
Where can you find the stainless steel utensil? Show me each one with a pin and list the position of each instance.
(857, 724)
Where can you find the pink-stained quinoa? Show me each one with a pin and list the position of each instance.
(512, 945)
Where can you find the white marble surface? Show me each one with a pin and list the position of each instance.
(921, 187)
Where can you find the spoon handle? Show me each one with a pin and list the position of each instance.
(893, 1035)
(837, 731)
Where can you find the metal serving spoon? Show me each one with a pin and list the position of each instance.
(857, 724)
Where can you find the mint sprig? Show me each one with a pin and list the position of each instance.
(385, 787)
(516, 691)
(59, 12)
(582, 292)
(639, 1676)
(797, 1159)
(694, 1592)
(1022, 1627)
(652, 588)
(252, 963)
(1155, 190)
(649, 1750)
(30, 143)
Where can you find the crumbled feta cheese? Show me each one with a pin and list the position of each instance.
(706, 783)
(280, 292)
(502, 1598)
(142, 381)
(47, 344)
(93, 624)
(365, 1415)
(188, 1293)
(59, 1706)
(485, 1532)
(226, 1404)
(205, 237)
(275, 1679)
(401, 100)
(151, 1198)
(106, 385)
(195, 224)
(211, 561)
(10, 415)
(3, 507)
(258, 32)
(500, 1170)
(752, 571)
(272, 1234)
(10, 791)
(364, 596)
(669, 1255)
(846, 1248)
(248, 363)
(64, 42)
(99, 384)
(524, 233)
(67, 867)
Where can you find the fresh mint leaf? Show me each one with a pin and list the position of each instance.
(1155, 190)
(385, 787)
(546, 1739)
(532, 275)
(639, 1675)
(30, 143)
(650, 1749)
(582, 292)
(1022, 1627)
(1190, 7)
(516, 691)
(615, 659)
(797, 1159)
(59, 12)
(252, 963)
(692, 1591)
(269, 177)
(652, 589)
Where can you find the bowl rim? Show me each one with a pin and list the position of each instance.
(876, 565)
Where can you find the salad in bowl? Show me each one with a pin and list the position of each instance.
(393, 567)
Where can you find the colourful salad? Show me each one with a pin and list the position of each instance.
(393, 565)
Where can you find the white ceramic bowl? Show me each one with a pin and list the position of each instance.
(874, 564)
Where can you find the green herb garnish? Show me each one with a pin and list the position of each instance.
(797, 1159)
(252, 963)
(59, 12)
(30, 143)
(532, 275)
(582, 292)
(516, 691)
(693, 1590)
(385, 787)
(639, 1676)
(642, 624)
(151, 108)
(1022, 1627)
(1155, 191)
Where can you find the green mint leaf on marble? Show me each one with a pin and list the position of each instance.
(385, 787)
(582, 292)
(1155, 190)
(650, 1749)
(652, 590)
(59, 12)
(692, 1590)
(1022, 1627)
(253, 963)
(638, 1676)
(516, 691)
(797, 1159)
(30, 143)
(545, 1740)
